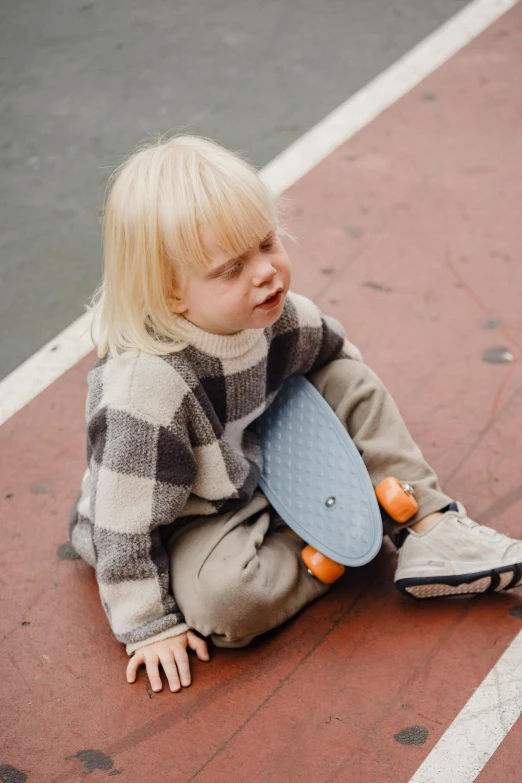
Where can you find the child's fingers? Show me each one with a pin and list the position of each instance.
(151, 664)
(173, 657)
(199, 646)
(171, 672)
(133, 666)
(182, 662)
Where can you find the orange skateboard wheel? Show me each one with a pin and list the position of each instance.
(320, 566)
(397, 499)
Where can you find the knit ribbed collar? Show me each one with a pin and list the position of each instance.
(222, 346)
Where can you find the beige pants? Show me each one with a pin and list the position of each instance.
(239, 574)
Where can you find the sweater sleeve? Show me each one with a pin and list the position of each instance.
(333, 344)
(142, 468)
(306, 340)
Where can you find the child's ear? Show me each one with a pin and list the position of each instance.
(177, 305)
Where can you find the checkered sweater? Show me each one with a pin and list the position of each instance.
(168, 438)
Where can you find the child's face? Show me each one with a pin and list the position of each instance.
(232, 294)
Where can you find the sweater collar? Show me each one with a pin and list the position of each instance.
(222, 346)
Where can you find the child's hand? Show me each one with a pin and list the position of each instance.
(173, 656)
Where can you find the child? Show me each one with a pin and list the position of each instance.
(197, 330)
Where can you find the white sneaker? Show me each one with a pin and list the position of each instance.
(457, 556)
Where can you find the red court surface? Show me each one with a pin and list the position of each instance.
(410, 235)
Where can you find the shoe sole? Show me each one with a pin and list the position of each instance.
(491, 581)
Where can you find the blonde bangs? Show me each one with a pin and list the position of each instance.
(157, 203)
(219, 190)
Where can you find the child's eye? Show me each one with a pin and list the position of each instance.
(268, 244)
(232, 272)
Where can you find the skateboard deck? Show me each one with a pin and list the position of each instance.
(315, 478)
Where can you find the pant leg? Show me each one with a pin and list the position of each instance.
(369, 413)
(236, 575)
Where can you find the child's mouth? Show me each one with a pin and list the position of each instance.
(273, 301)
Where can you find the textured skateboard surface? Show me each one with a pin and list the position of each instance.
(315, 478)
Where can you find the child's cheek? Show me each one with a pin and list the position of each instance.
(287, 273)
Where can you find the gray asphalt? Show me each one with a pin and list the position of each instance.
(82, 82)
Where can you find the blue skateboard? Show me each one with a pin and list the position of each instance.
(316, 480)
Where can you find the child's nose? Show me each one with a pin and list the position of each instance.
(264, 272)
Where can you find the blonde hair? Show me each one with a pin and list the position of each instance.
(157, 202)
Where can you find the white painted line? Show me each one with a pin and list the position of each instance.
(480, 727)
(359, 110)
(45, 366)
